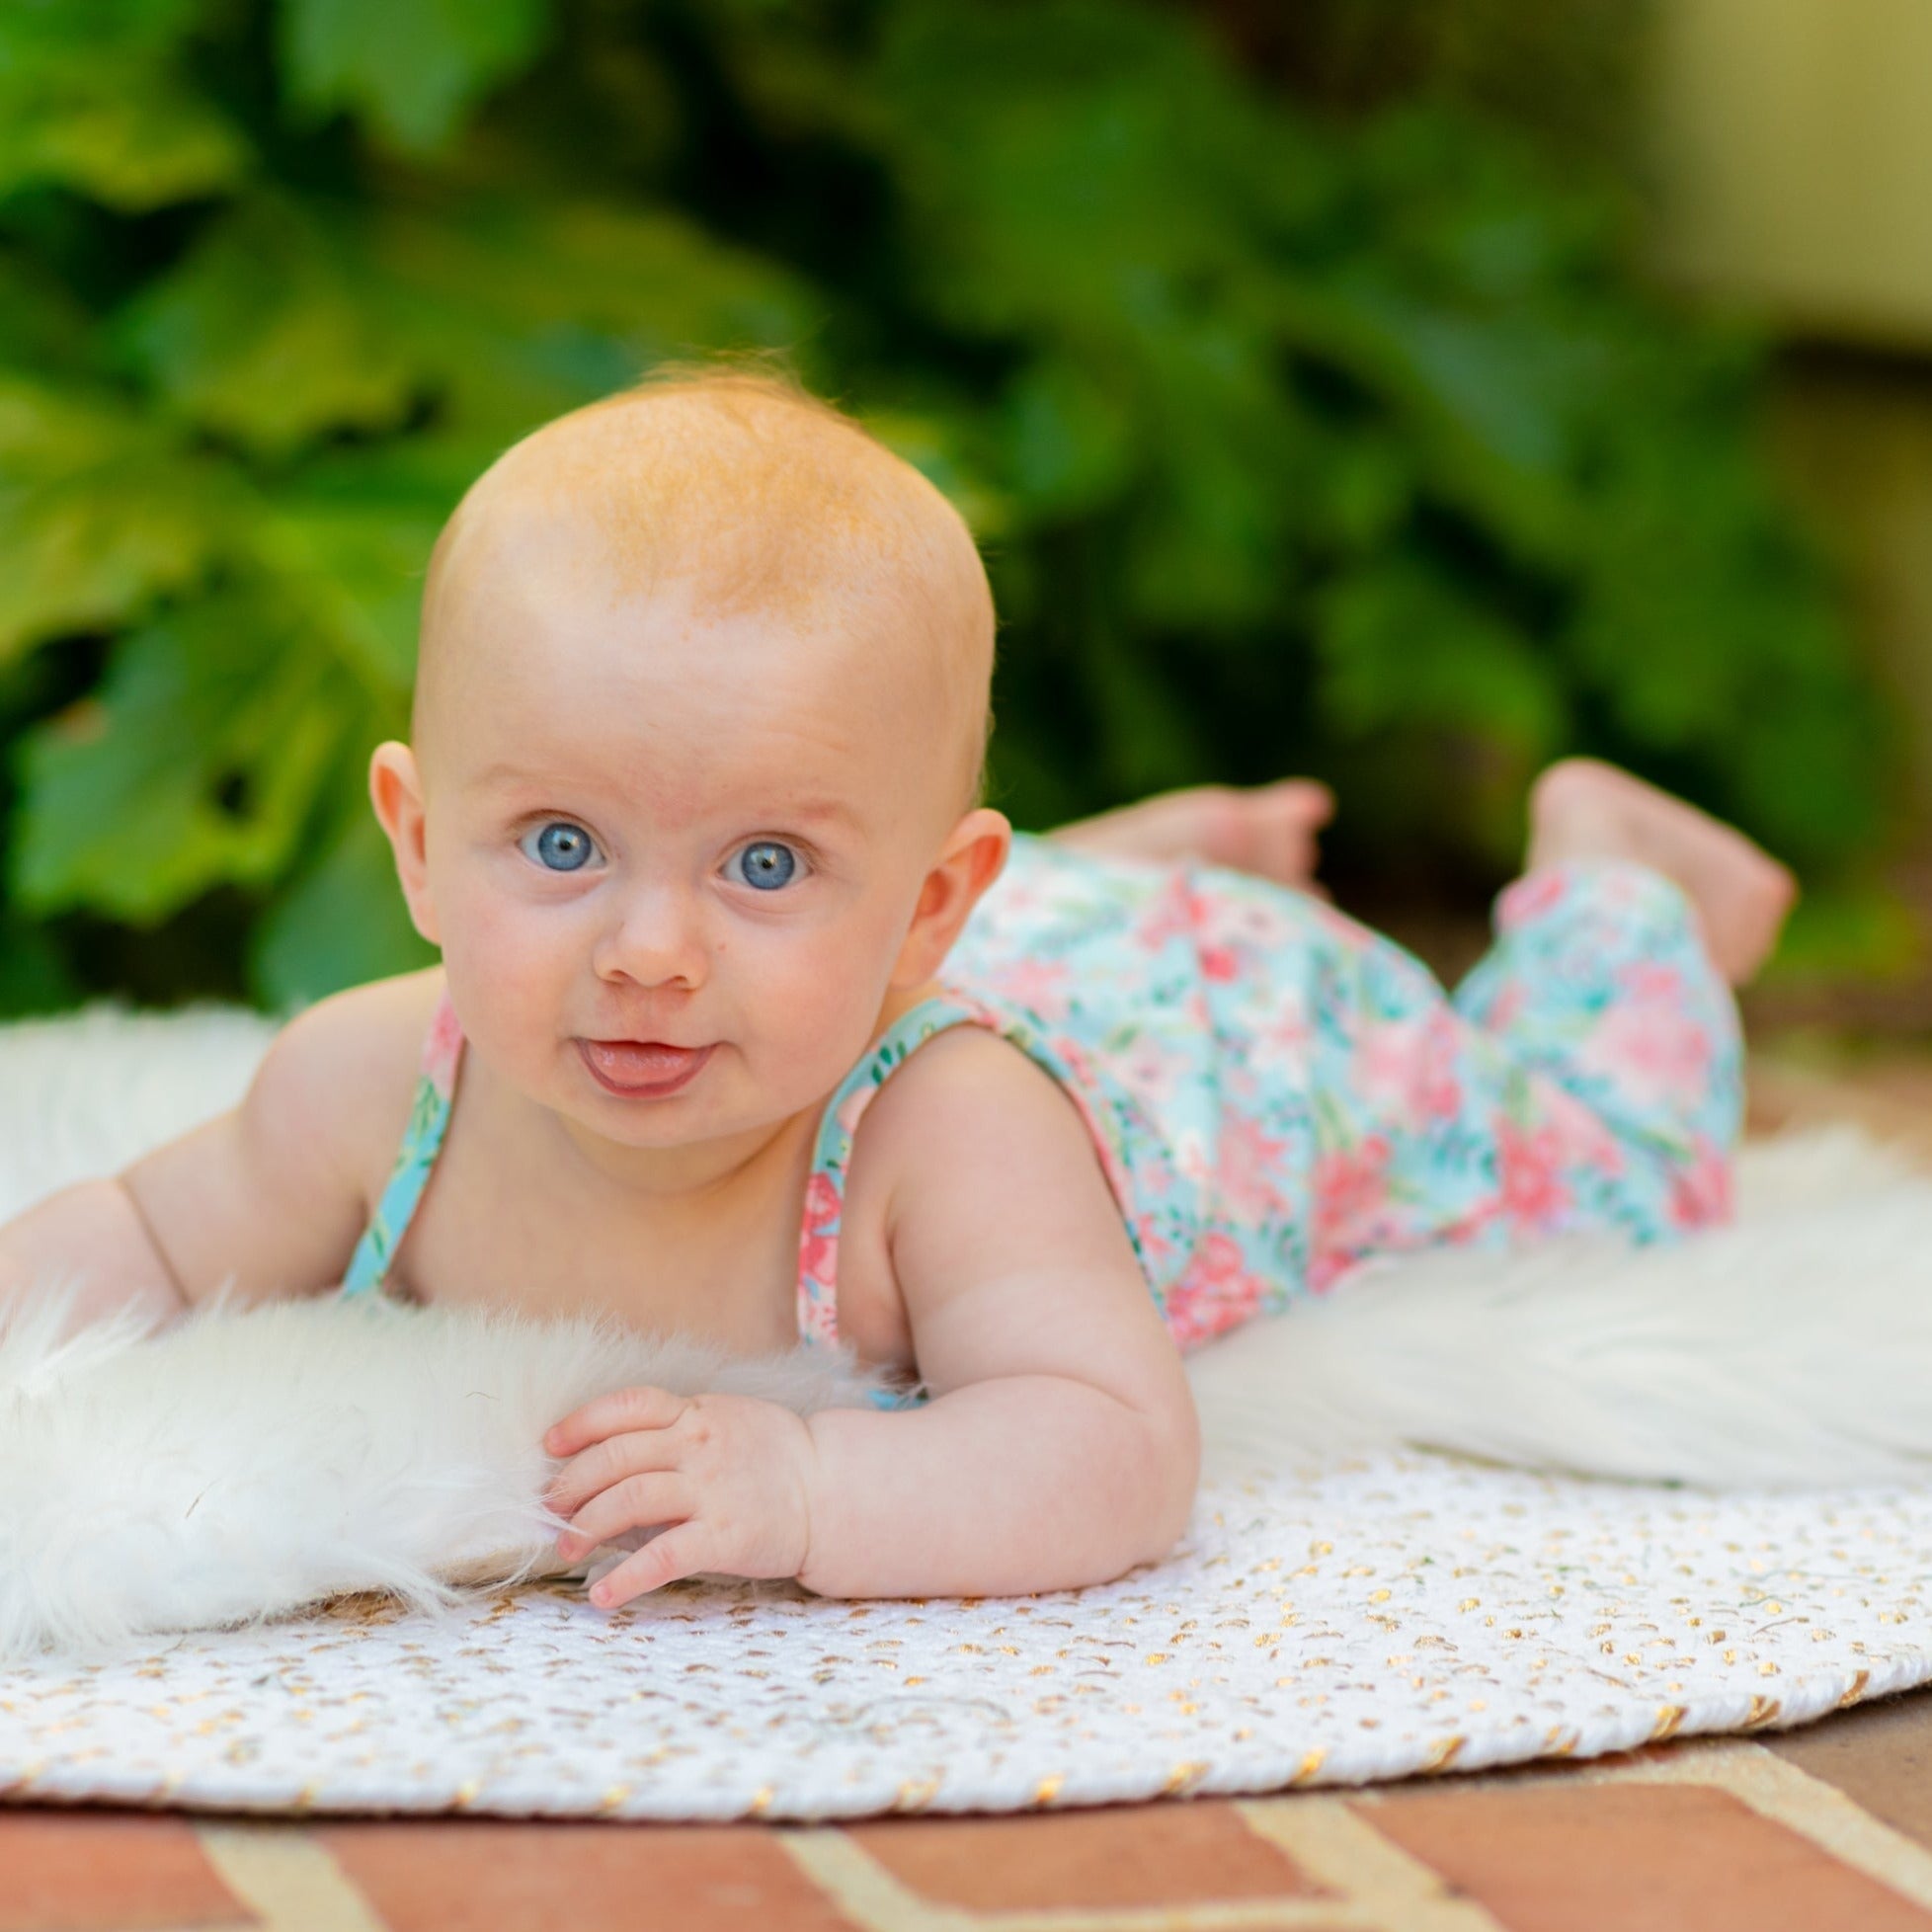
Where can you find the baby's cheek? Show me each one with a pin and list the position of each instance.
(508, 984)
(811, 1017)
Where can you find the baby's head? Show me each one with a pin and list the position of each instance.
(699, 719)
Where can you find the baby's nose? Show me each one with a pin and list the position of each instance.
(658, 938)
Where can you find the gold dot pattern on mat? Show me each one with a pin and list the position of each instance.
(1372, 1619)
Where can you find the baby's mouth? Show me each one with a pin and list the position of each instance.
(641, 1069)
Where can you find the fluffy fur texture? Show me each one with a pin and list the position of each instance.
(243, 1465)
(1792, 1349)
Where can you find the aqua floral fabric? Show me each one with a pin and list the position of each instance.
(1278, 1093)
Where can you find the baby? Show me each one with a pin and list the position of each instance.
(753, 1022)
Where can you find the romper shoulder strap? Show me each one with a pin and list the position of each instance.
(825, 1192)
(421, 1141)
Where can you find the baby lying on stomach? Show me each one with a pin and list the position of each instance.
(740, 1031)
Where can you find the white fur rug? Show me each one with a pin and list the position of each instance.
(1336, 1614)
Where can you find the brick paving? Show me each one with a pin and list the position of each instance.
(1824, 1829)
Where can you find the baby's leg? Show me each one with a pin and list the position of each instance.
(1269, 830)
(1588, 1076)
(1583, 809)
(1607, 990)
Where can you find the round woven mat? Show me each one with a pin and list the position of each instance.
(1369, 1621)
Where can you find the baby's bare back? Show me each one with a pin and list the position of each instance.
(274, 1196)
(265, 1198)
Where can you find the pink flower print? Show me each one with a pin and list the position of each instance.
(1220, 964)
(1409, 1068)
(1157, 1251)
(1439, 1087)
(1533, 1193)
(1505, 1010)
(1351, 1193)
(1653, 1053)
(1650, 980)
(443, 1049)
(1251, 1168)
(1173, 915)
(1156, 1069)
(1039, 985)
(1586, 1137)
(1531, 897)
(1215, 1293)
(1279, 1050)
(1236, 924)
(1700, 1193)
(818, 1248)
(1190, 1156)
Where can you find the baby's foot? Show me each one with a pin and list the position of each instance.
(1585, 809)
(1270, 830)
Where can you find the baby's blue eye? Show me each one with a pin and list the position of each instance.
(766, 864)
(559, 846)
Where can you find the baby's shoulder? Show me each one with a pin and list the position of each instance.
(972, 1167)
(970, 1105)
(966, 1074)
(343, 1072)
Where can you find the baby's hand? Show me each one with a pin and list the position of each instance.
(729, 1475)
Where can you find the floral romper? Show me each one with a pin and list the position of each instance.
(1277, 1094)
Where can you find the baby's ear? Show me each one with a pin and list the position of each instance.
(396, 792)
(973, 856)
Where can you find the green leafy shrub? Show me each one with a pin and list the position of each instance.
(1347, 445)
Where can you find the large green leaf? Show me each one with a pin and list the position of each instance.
(196, 766)
(524, 307)
(1403, 644)
(133, 147)
(44, 327)
(1068, 161)
(1471, 396)
(264, 332)
(91, 98)
(1348, 438)
(350, 537)
(411, 66)
(100, 513)
(342, 923)
(1068, 444)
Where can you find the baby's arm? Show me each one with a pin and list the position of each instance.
(1061, 1447)
(90, 1235)
(265, 1197)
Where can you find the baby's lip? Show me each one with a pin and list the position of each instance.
(642, 1069)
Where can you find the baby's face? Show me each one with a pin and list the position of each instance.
(671, 855)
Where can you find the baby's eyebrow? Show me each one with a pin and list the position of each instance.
(761, 811)
(504, 773)
(818, 811)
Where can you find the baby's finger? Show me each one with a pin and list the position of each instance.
(637, 1502)
(607, 1461)
(603, 1416)
(664, 1559)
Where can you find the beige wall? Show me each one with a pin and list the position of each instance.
(1794, 141)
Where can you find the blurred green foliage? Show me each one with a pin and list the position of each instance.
(1337, 437)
